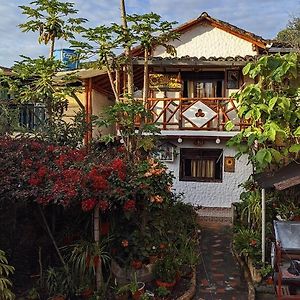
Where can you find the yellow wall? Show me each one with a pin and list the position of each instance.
(99, 103)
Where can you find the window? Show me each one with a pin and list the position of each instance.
(201, 164)
(32, 116)
(203, 84)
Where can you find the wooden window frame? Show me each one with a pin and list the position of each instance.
(199, 152)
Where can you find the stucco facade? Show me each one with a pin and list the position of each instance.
(206, 40)
(211, 194)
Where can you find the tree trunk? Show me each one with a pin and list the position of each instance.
(52, 45)
(146, 77)
(111, 80)
(97, 240)
(130, 83)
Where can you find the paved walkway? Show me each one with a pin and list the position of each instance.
(218, 275)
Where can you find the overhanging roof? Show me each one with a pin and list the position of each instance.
(282, 179)
(195, 61)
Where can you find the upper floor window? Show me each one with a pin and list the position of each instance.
(203, 84)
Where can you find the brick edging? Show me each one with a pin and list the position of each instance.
(247, 275)
(190, 293)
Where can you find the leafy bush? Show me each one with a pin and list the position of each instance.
(165, 269)
(5, 284)
(247, 242)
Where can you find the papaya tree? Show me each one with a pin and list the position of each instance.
(52, 20)
(271, 107)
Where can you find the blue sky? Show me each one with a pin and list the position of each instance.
(262, 17)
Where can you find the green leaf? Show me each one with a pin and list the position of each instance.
(272, 102)
(294, 148)
(247, 68)
(229, 125)
(276, 155)
(263, 156)
(297, 132)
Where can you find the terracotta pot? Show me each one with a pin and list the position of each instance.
(269, 280)
(296, 218)
(87, 293)
(167, 285)
(57, 297)
(137, 295)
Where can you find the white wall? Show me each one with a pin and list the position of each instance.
(206, 40)
(211, 194)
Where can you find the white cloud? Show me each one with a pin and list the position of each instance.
(262, 17)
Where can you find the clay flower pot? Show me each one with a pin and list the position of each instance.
(167, 285)
(141, 290)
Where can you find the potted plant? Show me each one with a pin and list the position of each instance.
(162, 293)
(122, 293)
(165, 271)
(135, 288)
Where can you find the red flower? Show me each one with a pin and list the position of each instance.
(34, 181)
(42, 171)
(61, 160)
(36, 145)
(103, 205)
(27, 162)
(121, 149)
(117, 164)
(99, 183)
(125, 243)
(88, 204)
(129, 205)
(119, 167)
(253, 243)
(72, 175)
(51, 148)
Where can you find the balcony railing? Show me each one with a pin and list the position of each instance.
(194, 113)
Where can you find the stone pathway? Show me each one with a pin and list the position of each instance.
(218, 274)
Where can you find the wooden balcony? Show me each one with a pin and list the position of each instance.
(210, 114)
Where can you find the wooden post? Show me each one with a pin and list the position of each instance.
(263, 225)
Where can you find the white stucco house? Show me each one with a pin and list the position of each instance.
(190, 99)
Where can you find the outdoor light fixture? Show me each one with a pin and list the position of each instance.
(218, 141)
(179, 140)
